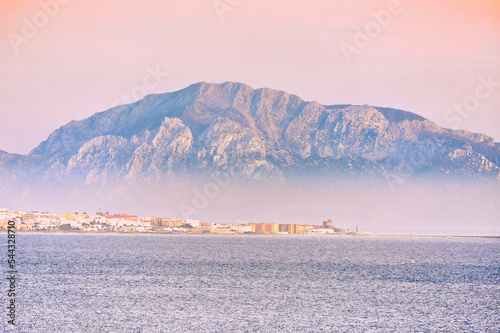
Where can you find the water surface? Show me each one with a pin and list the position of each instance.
(179, 283)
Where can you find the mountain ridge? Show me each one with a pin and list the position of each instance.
(249, 133)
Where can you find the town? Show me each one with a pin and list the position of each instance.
(37, 221)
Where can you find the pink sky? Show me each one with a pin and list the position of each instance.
(430, 56)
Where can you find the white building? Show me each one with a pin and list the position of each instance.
(242, 228)
(99, 218)
(321, 231)
(194, 223)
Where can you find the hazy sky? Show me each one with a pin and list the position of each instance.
(66, 60)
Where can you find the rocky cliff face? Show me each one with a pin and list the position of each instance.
(250, 134)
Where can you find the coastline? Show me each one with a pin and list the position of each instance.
(371, 235)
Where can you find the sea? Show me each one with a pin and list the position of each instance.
(240, 283)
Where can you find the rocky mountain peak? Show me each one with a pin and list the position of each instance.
(250, 133)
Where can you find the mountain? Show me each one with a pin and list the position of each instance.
(252, 134)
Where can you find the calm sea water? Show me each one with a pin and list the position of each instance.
(156, 283)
